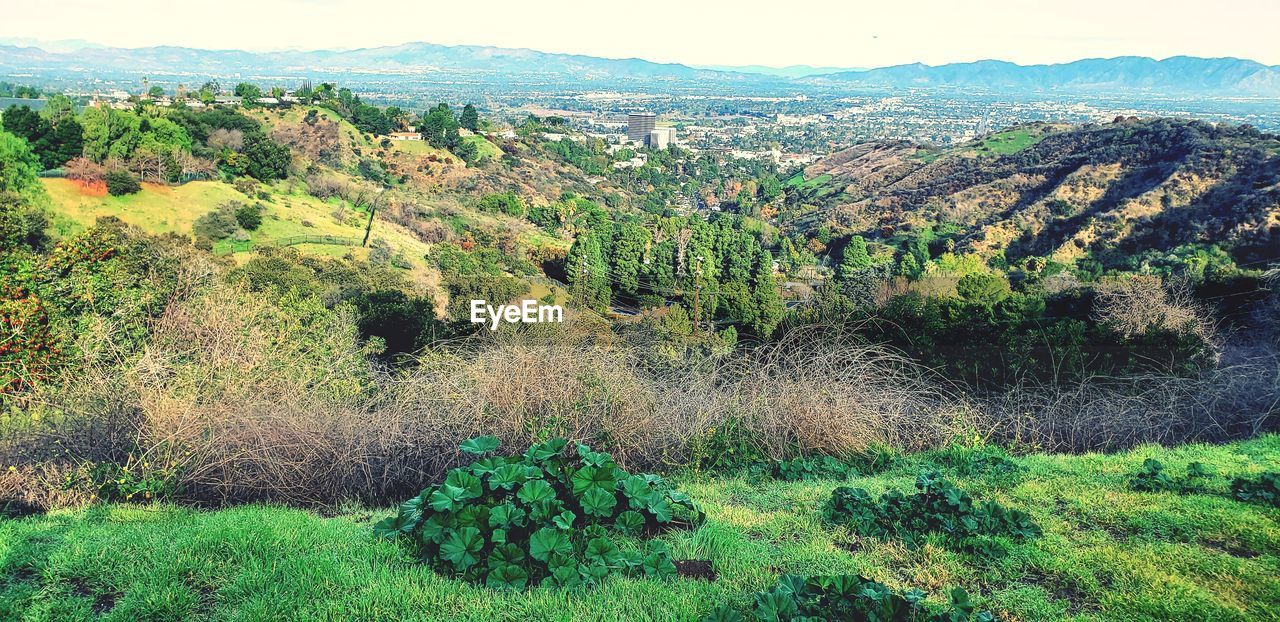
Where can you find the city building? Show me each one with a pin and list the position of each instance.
(639, 124)
(661, 137)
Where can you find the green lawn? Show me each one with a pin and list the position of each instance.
(1107, 553)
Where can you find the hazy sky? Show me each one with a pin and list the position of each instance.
(778, 32)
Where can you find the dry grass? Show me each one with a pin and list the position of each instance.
(240, 398)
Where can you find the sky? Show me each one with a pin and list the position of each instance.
(840, 33)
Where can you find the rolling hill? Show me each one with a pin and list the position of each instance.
(1119, 189)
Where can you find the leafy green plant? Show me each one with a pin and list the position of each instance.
(802, 469)
(1265, 489)
(546, 515)
(937, 507)
(1153, 478)
(846, 597)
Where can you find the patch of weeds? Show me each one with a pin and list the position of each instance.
(1153, 478)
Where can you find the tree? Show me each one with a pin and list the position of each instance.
(630, 241)
(855, 257)
(588, 274)
(58, 109)
(983, 289)
(265, 159)
(470, 119)
(765, 296)
(249, 216)
(155, 92)
(85, 171)
(18, 166)
(909, 267)
(110, 133)
(440, 127)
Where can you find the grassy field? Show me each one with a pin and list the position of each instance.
(1107, 553)
(798, 181)
(159, 209)
(1012, 141)
(484, 147)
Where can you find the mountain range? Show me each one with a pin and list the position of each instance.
(1179, 74)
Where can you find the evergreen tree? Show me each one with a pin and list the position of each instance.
(588, 274)
(629, 244)
(764, 293)
(470, 119)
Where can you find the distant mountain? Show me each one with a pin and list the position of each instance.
(61, 45)
(1183, 74)
(1179, 74)
(410, 58)
(790, 71)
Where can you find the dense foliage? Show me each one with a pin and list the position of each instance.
(546, 515)
(847, 597)
(1264, 489)
(937, 507)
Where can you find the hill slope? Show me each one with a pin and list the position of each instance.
(1117, 189)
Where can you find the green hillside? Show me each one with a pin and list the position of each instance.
(289, 214)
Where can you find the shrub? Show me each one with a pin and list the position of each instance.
(802, 469)
(938, 507)
(1264, 490)
(219, 224)
(249, 216)
(544, 515)
(120, 183)
(847, 597)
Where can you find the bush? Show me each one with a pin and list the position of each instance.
(219, 224)
(249, 216)
(938, 507)
(544, 515)
(847, 597)
(120, 183)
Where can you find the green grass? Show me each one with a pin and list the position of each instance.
(1012, 141)
(174, 209)
(1107, 554)
(485, 148)
(798, 181)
